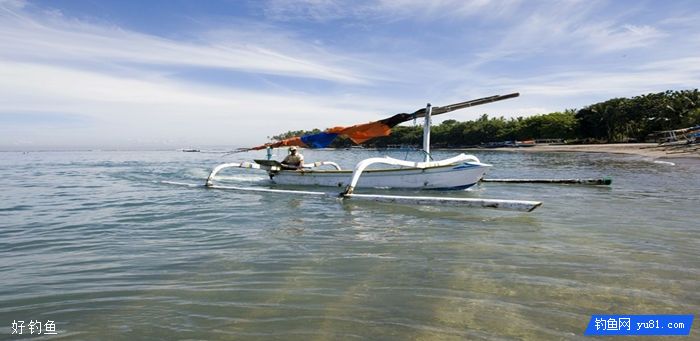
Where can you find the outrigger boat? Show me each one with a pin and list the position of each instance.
(458, 172)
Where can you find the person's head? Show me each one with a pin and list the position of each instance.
(293, 149)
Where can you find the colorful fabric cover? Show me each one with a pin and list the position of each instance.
(359, 133)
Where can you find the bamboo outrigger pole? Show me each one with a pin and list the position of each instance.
(605, 181)
(503, 204)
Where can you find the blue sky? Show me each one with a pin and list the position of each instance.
(128, 74)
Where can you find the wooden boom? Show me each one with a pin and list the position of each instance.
(452, 107)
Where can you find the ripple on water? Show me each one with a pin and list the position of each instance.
(95, 241)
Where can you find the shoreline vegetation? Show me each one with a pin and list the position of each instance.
(618, 125)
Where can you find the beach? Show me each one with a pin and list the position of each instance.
(642, 149)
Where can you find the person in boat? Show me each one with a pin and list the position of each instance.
(294, 160)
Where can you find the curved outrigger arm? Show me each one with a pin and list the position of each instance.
(253, 165)
(322, 163)
(217, 169)
(362, 165)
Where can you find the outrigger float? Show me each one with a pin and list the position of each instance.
(458, 172)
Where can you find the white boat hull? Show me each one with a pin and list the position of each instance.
(454, 176)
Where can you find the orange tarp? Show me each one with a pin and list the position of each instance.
(363, 132)
(292, 141)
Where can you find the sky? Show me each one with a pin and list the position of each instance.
(175, 73)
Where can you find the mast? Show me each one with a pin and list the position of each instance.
(426, 132)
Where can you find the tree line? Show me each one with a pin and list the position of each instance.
(615, 120)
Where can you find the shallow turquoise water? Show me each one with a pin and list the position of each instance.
(96, 242)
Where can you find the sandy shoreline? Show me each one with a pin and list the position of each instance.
(642, 149)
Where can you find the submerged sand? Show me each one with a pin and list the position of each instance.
(650, 150)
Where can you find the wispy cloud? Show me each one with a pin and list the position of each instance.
(572, 28)
(607, 37)
(330, 10)
(450, 8)
(125, 82)
(126, 108)
(32, 38)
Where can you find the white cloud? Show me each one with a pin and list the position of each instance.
(575, 89)
(387, 10)
(121, 82)
(120, 109)
(56, 38)
(447, 8)
(571, 28)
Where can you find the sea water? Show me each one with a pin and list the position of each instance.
(98, 244)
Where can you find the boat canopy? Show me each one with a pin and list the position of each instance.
(363, 132)
(358, 133)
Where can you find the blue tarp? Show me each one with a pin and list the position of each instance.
(320, 140)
